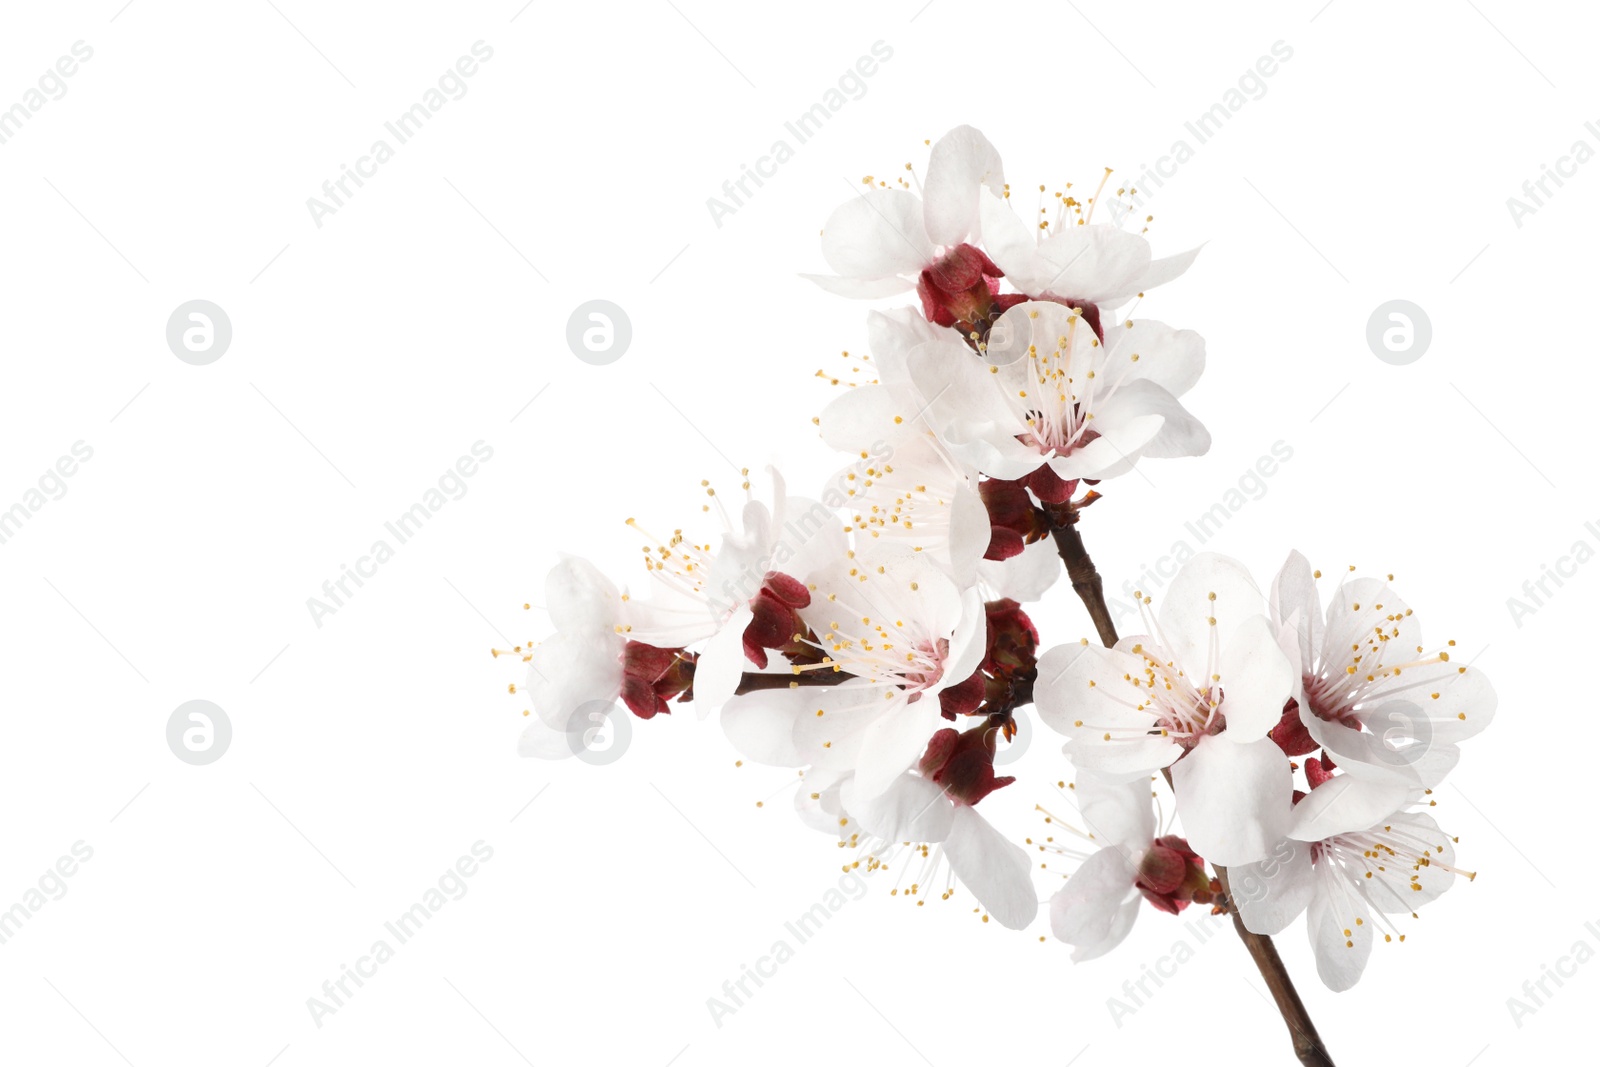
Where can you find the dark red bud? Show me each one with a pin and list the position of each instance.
(963, 763)
(1171, 876)
(1319, 771)
(1004, 543)
(1049, 487)
(1291, 734)
(1162, 869)
(1011, 639)
(651, 676)
(959, 289)
(792, 592)
(774, 616)
(963, 698)
(1013, 519)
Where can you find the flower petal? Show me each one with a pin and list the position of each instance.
(761, 726)
(1397, 753)
(857, 417)
(1123, 435)
(1256, 679)
(1441, 703)
(1181, 434)
(1155, 352)
(1273, 892)
(570, 670)
(1344, 804)
(969, 534)
(968, 642)
(876, 234)
(1095, 910)
(1188, 609)
(1341, 935)
(721, 664)
(961, 164)
(1116, 813)
(1100, 263)
(578, 597)
(1294, 603)
(997, 871)
(896, 738)
(1088, 694)
(911, 809)
(1234, 799)
(1024, 578)
(1159, 272)
(817, 802)
(1009, 242)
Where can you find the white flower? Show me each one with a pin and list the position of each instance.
(581, 665)
(879, 242)
(1074, 257)
(725, 597)
(904, 633)
(915, 812)
(1097, 907)
(1199, 694)
(1369, 693)
(901, 636)
(609, 645)
(913, 823)
(888, 409)
(918, 499)
(1354, 858)
(1047, 392)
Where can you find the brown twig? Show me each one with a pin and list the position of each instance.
(1086, 583)
(752, 682)
(1302, 1031)
(1080, 569)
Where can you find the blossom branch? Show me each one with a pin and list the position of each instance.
(1086, 583)
(1302, 1031)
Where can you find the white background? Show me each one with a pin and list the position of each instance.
(368, 354)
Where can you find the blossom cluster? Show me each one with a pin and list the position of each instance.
(878, 638)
